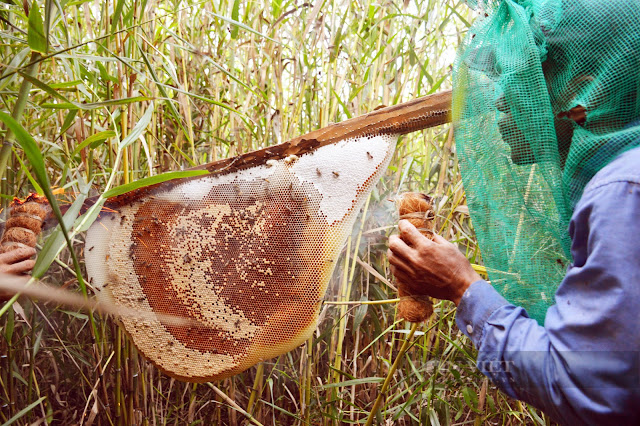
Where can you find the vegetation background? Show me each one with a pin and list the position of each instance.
(113, 91)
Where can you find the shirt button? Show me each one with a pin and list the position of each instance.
(469, 328)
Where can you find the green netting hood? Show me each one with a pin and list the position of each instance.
(546, 93)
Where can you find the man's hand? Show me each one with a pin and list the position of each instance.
(434, 268)
(17, 261)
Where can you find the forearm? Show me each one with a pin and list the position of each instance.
(497, 329)
(520, 357)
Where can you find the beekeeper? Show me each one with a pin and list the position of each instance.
(547, 127)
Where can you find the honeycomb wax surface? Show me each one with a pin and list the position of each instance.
(247, 255)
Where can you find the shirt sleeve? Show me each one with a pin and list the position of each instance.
(583, 366)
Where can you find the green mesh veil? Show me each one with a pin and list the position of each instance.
(546, 93)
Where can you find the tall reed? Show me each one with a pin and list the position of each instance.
(114, 91)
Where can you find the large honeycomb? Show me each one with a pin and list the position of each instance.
(246, 254)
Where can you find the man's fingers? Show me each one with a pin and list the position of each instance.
(401, 275)
(399, 247)
(20, 267)
(410, 234)
(401, 254)
(17, 255)
(439, 239)
(398, 263)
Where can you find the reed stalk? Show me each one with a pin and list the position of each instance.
(256, 390)
(387, 381)
(118, 395)
(16, 113)
(219, 88)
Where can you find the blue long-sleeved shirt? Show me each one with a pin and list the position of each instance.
(583, 366)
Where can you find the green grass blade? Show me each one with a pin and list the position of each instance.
(24, 411)
(56, 242)
(151, 180)
(94, 140)
(36, 36)
(139, 128)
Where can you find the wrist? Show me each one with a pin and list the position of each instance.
(465, 284)
(458, 296)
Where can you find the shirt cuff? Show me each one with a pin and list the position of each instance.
(476, 306)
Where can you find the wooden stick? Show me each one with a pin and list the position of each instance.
(418, 114)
